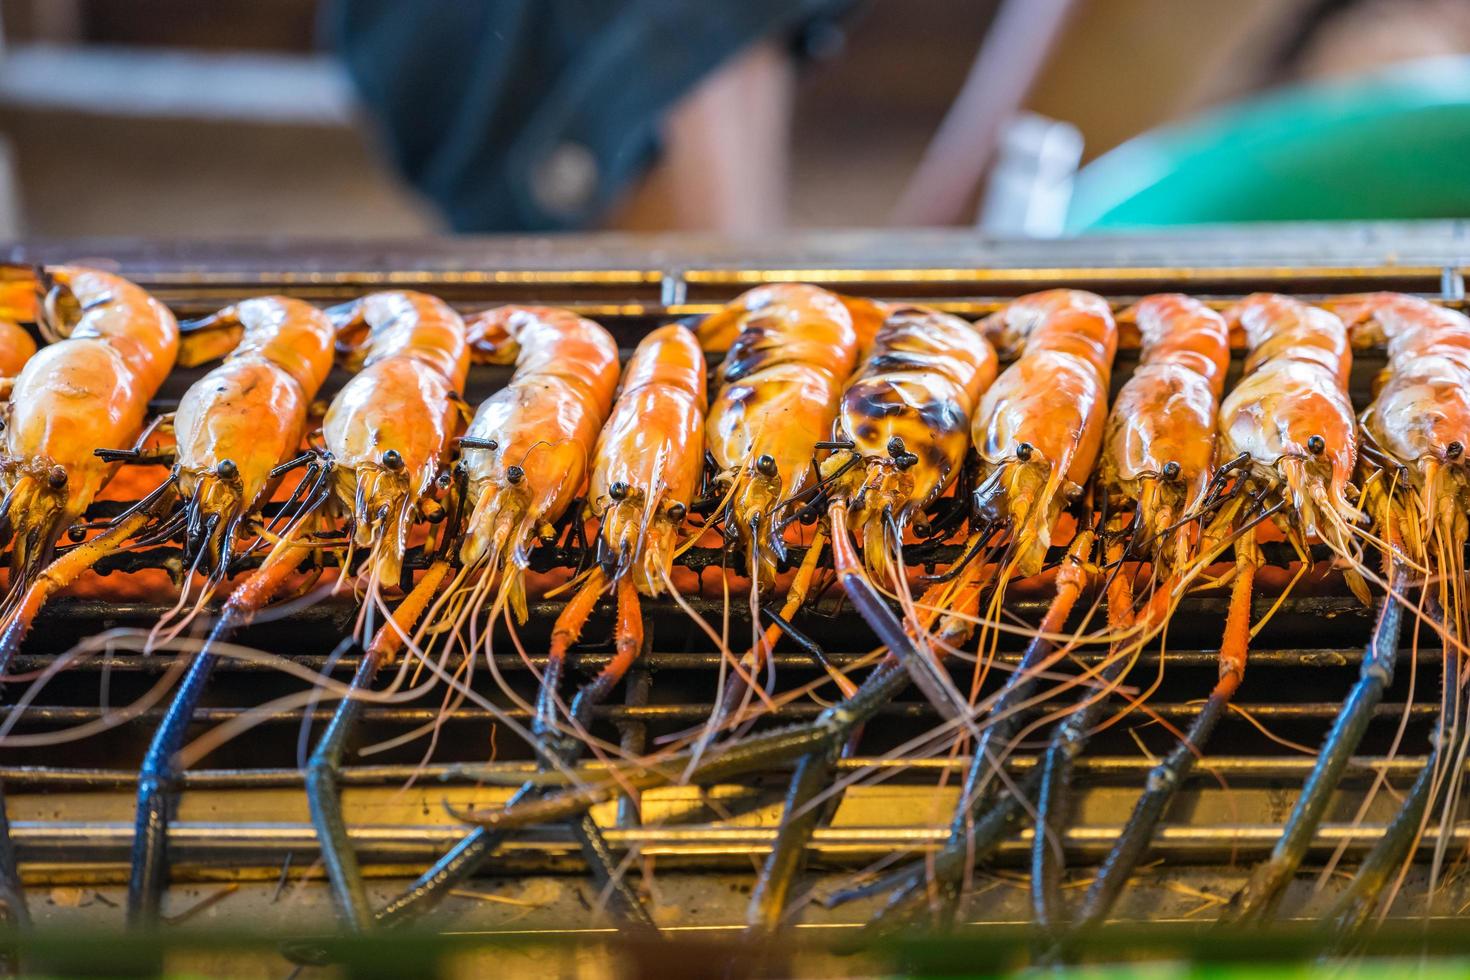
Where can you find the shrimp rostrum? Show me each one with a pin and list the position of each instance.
(525, 458)
(386, 435)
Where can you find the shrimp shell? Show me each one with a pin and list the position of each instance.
(545, 422)
(1294, 390)
(1422, 403)
(251, 410)
(1040, 427)
(87, 391)
(649, 457)
(389, 426)
(1166, 411)
(780, 386)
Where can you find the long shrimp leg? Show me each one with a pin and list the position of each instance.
(1163, 780)
(629, 645)
(978, 794)
(471, 852)
(754, 660)
(323, 794)
(1057, 763)
(1350, 912)
(158, 778)
(1261, 893)
(800, 815)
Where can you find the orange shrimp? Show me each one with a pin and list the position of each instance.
(1040, 427)
(386, 434)
(902, 423)
(1157, 465)
(780, 384)
(388, 428)
(1416, 487)
(645, 472)
(112, 346)
(525, 457)
(794, 347)
(1038, 431)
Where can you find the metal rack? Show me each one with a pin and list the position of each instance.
(244, 819)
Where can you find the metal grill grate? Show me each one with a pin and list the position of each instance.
(243, 815)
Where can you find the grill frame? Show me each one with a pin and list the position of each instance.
(630, 283)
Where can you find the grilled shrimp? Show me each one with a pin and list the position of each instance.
(645, 472)
(1417, 490)
(792, 351)
(646, 469)
(1288, 433)
(386, 434)
(901, 435)
(780, 384)
(1040, 427)
(113, 345)
(525, 457)
(389, 427)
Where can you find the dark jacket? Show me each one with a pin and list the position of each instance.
(533, 115)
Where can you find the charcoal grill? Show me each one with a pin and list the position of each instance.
(243, 845)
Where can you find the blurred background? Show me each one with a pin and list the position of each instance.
(306, 118)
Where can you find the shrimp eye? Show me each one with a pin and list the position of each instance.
(1023, 451)
(677, 512)
(393, 459)
(807, 516)
(923, 528)
(443, 480)
(895, 446)
(1316, 445)
(76, 532)
(766, 465)
(1171, 470)
(1454, 449)
(514, 475)
(56, 477)
(619, 491)
(227, 469)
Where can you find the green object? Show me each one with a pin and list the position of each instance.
(1393, 144)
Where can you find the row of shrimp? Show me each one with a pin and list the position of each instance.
(1179, 477)
(883, 434)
